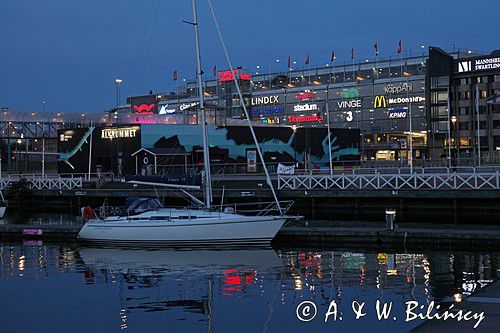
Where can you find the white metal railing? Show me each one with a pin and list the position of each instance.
(44, 183)
(393, 181)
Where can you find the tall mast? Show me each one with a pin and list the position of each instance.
(206, 155)
(259, 151)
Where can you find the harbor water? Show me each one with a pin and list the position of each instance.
(67, 286)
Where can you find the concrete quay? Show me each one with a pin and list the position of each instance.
(316, 234)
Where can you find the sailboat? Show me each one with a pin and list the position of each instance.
(190, 227)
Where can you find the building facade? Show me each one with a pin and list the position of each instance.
(375, 97)
(463, 85)
(157, 149)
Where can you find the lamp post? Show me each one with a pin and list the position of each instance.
(43, 140)
(453, 122)
(118, 82)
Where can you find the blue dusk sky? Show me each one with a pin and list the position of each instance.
(68, 53)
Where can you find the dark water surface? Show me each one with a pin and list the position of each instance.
(52, 287)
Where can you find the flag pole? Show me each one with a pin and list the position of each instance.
(478, 127)
(328, 127)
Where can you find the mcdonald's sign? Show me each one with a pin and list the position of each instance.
(379, 102)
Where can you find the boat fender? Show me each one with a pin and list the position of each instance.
(88, 213)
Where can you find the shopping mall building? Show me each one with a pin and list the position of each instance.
(440, 108)
(423, 104)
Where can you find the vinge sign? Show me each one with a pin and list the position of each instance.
(354, 103)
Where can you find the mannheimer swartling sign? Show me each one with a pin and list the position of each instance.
(477, 64)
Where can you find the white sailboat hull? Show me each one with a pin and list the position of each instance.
(211, 231)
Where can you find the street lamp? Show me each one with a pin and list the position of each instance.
(118, 82)
(453, 122)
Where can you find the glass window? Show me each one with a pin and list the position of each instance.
(464, 95)
(443, 81)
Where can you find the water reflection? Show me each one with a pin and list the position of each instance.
(211, 290)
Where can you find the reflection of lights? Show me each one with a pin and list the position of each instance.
(382, 257)
(297, 281)
(457, 297)
(123, 317)
(392, 272)
(21, 263)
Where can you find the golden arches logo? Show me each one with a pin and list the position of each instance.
(379, 102)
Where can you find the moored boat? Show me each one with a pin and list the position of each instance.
(183, 227)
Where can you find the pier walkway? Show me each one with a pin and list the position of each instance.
(437, 179)
(463, 182)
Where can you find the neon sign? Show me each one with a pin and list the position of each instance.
(164, 110)
(265, 100)
(227, 76)
(305, 107)
(397, 114)
(349, 92)
(305, 119)
(144, 108)
(268, 111)
(186, 106)
(379, 102)
(116, 133)
(401, 100)
(354, 103)
(402, 88)
(478, 64)
(303, 96)
(270, 120)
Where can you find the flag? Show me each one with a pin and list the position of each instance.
(376, 49)
(352, 53)
(333, 56)
(307, 60)
(289, 62)
(215, 70)
(175, 75)
(399, 47)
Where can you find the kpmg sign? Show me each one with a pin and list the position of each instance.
(398, 114)
(480, 64)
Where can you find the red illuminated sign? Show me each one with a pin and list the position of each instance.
(144, 108)
(303, 96)
(227, 76)
(305, 119)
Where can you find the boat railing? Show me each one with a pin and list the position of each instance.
(264, 208)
